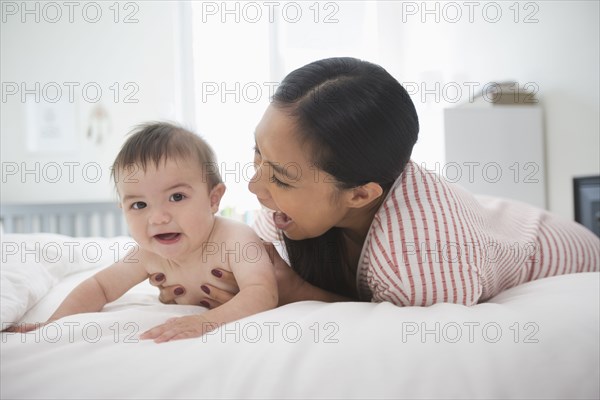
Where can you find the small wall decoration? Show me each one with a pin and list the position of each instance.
(51, 127)
(99, 126)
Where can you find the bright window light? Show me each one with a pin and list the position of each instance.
(242, 52)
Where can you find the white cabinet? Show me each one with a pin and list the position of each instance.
(497, 151)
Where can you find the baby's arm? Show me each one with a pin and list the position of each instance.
(255, 277)
(104, 287)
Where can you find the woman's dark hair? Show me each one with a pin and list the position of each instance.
(361, 126)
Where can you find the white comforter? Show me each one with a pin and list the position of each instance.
(538, 340)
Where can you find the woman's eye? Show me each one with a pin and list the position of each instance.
(177, 197)
(138, 205)
(279, 183)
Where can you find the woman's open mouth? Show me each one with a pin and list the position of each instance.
(281, 220)
(167, 238)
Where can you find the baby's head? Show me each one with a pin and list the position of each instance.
(153, 144)
(169, 189)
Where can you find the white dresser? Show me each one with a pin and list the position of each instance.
(497, 150)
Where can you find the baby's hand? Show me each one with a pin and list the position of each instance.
(179, 328)
(24, 327)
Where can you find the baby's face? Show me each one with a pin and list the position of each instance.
(169, 209)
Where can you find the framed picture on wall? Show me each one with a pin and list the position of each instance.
(51, 127)
(586, 192)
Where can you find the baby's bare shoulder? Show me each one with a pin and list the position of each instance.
(232, 230)
(239, 244)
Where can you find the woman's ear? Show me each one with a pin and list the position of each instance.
(363, 195)
(216, 193)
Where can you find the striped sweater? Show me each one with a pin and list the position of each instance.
(431, 242)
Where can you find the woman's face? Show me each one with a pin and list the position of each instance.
(305, 199)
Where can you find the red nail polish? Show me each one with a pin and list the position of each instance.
(160, 277)
(216, 273)
(179, 291)
(205, 304)
(205, 289)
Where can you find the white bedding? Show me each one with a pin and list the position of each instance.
(538, 340)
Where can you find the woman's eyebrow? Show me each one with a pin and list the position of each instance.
(276, 166)
(281, 170)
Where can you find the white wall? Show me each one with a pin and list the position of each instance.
(559, 54)
(144, 53)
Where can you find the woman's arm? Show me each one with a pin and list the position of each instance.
(292, 287)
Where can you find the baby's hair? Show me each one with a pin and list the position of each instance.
(156, 142)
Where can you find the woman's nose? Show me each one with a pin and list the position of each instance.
(257, 185)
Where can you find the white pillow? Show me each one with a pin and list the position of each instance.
(33, 263)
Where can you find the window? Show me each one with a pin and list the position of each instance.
(242, 50)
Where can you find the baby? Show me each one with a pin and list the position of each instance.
(170, 190)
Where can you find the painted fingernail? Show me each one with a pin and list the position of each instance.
(205, 304)
(216, 273)
(205, 289)
(160, 277)
(179, 291)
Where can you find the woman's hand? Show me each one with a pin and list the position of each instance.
(290, 285)
(214, 295)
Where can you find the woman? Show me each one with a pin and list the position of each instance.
(361, 221)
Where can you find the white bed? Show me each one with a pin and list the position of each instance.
(538, 340)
